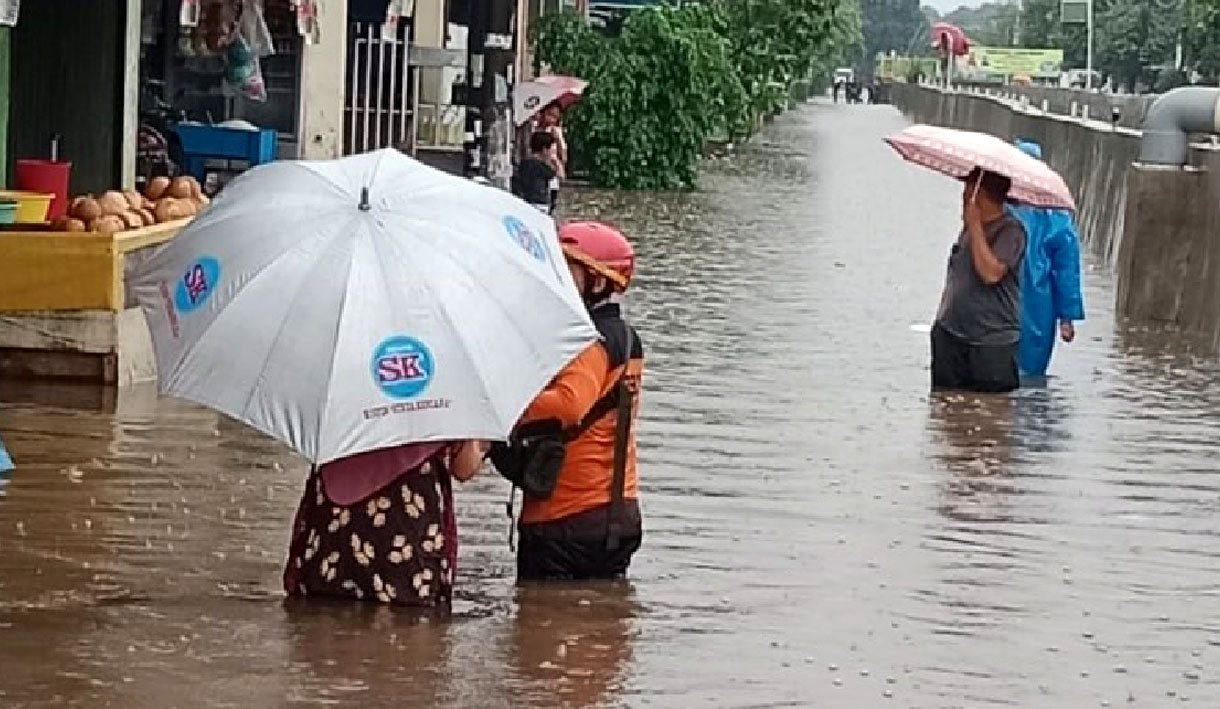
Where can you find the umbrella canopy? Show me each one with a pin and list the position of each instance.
(949, 38)
(956, 153)
(352, 305)
(530, 97)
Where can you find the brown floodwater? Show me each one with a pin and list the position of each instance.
(820, 531)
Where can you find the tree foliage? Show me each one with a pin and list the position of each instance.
(676, 76)
(1202, 37)
(1042, 28)
(1135, 40)
(892, 25)
(1132, 37)
(991, 24)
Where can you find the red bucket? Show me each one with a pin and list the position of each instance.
(48, 176)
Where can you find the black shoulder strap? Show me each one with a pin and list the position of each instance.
(604, 405)
(622, 437)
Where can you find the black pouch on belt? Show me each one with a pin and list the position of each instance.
(532, 459)
(534, 455)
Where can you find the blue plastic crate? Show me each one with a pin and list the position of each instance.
(255, 147)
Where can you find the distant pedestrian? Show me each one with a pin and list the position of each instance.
(536, 174)
(836, 89)
(977, 331)
(1051, 301)
(550, 120)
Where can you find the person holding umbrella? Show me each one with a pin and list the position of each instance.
(381, 526)
(1051, 301)
(550, 121)
(388, 319)
(977, 329)
(538, 105)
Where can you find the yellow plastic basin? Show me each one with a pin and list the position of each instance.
(31, 206)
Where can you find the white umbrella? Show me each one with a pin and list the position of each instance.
(351, 305)
(530, 97)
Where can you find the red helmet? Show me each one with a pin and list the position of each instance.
(600, 248)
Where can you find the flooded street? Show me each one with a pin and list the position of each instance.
(819, 530)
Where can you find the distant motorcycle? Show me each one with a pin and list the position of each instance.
(158, 148)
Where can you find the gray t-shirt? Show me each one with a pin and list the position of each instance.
(970, 309)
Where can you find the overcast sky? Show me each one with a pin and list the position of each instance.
(947, 6)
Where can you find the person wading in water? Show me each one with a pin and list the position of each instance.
(381, 527)
(1050, 280)
(978, 327)
(583, 520)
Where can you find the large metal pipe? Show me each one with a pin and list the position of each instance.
(1172, 117)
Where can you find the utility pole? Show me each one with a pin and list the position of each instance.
(490, 50)
(1088, 68)
(1016, 27)
(473, 144)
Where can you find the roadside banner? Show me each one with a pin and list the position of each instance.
(1009, 61)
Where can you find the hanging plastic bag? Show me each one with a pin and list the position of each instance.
(188, 14)
(395, 11)
(307, 21)
(254, 29)
(9, 9)
(242, 71)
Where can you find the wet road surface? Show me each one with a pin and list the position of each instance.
(820, 531)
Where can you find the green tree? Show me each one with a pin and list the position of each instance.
(892, 25)
(1132, 36)
(989, 25)
(1202, 37)
(656, 93)
(1042, 28)
(678, 75)
(776, 41)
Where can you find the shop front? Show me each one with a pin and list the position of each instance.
(86, 81)
(220, 86)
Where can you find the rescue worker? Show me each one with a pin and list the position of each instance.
(1051, 301)
(590, 525)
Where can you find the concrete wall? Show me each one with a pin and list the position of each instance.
(1133, 108)
(1156, 228)
(323, 86)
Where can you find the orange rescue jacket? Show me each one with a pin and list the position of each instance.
(588, 468)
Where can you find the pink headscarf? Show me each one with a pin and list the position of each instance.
(350, 480)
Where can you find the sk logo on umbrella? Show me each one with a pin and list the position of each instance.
(402, 367)
(525, 237)
(197, 284)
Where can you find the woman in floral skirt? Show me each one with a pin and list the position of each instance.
(366, 530)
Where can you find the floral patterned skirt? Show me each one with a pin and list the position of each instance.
(398, 546)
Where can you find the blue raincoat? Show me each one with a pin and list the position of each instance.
(6, 463)
(1050, 278)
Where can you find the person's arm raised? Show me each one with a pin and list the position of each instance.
(992, 261)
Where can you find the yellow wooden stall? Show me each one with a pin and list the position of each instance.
(63, 310)
(55, 271)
